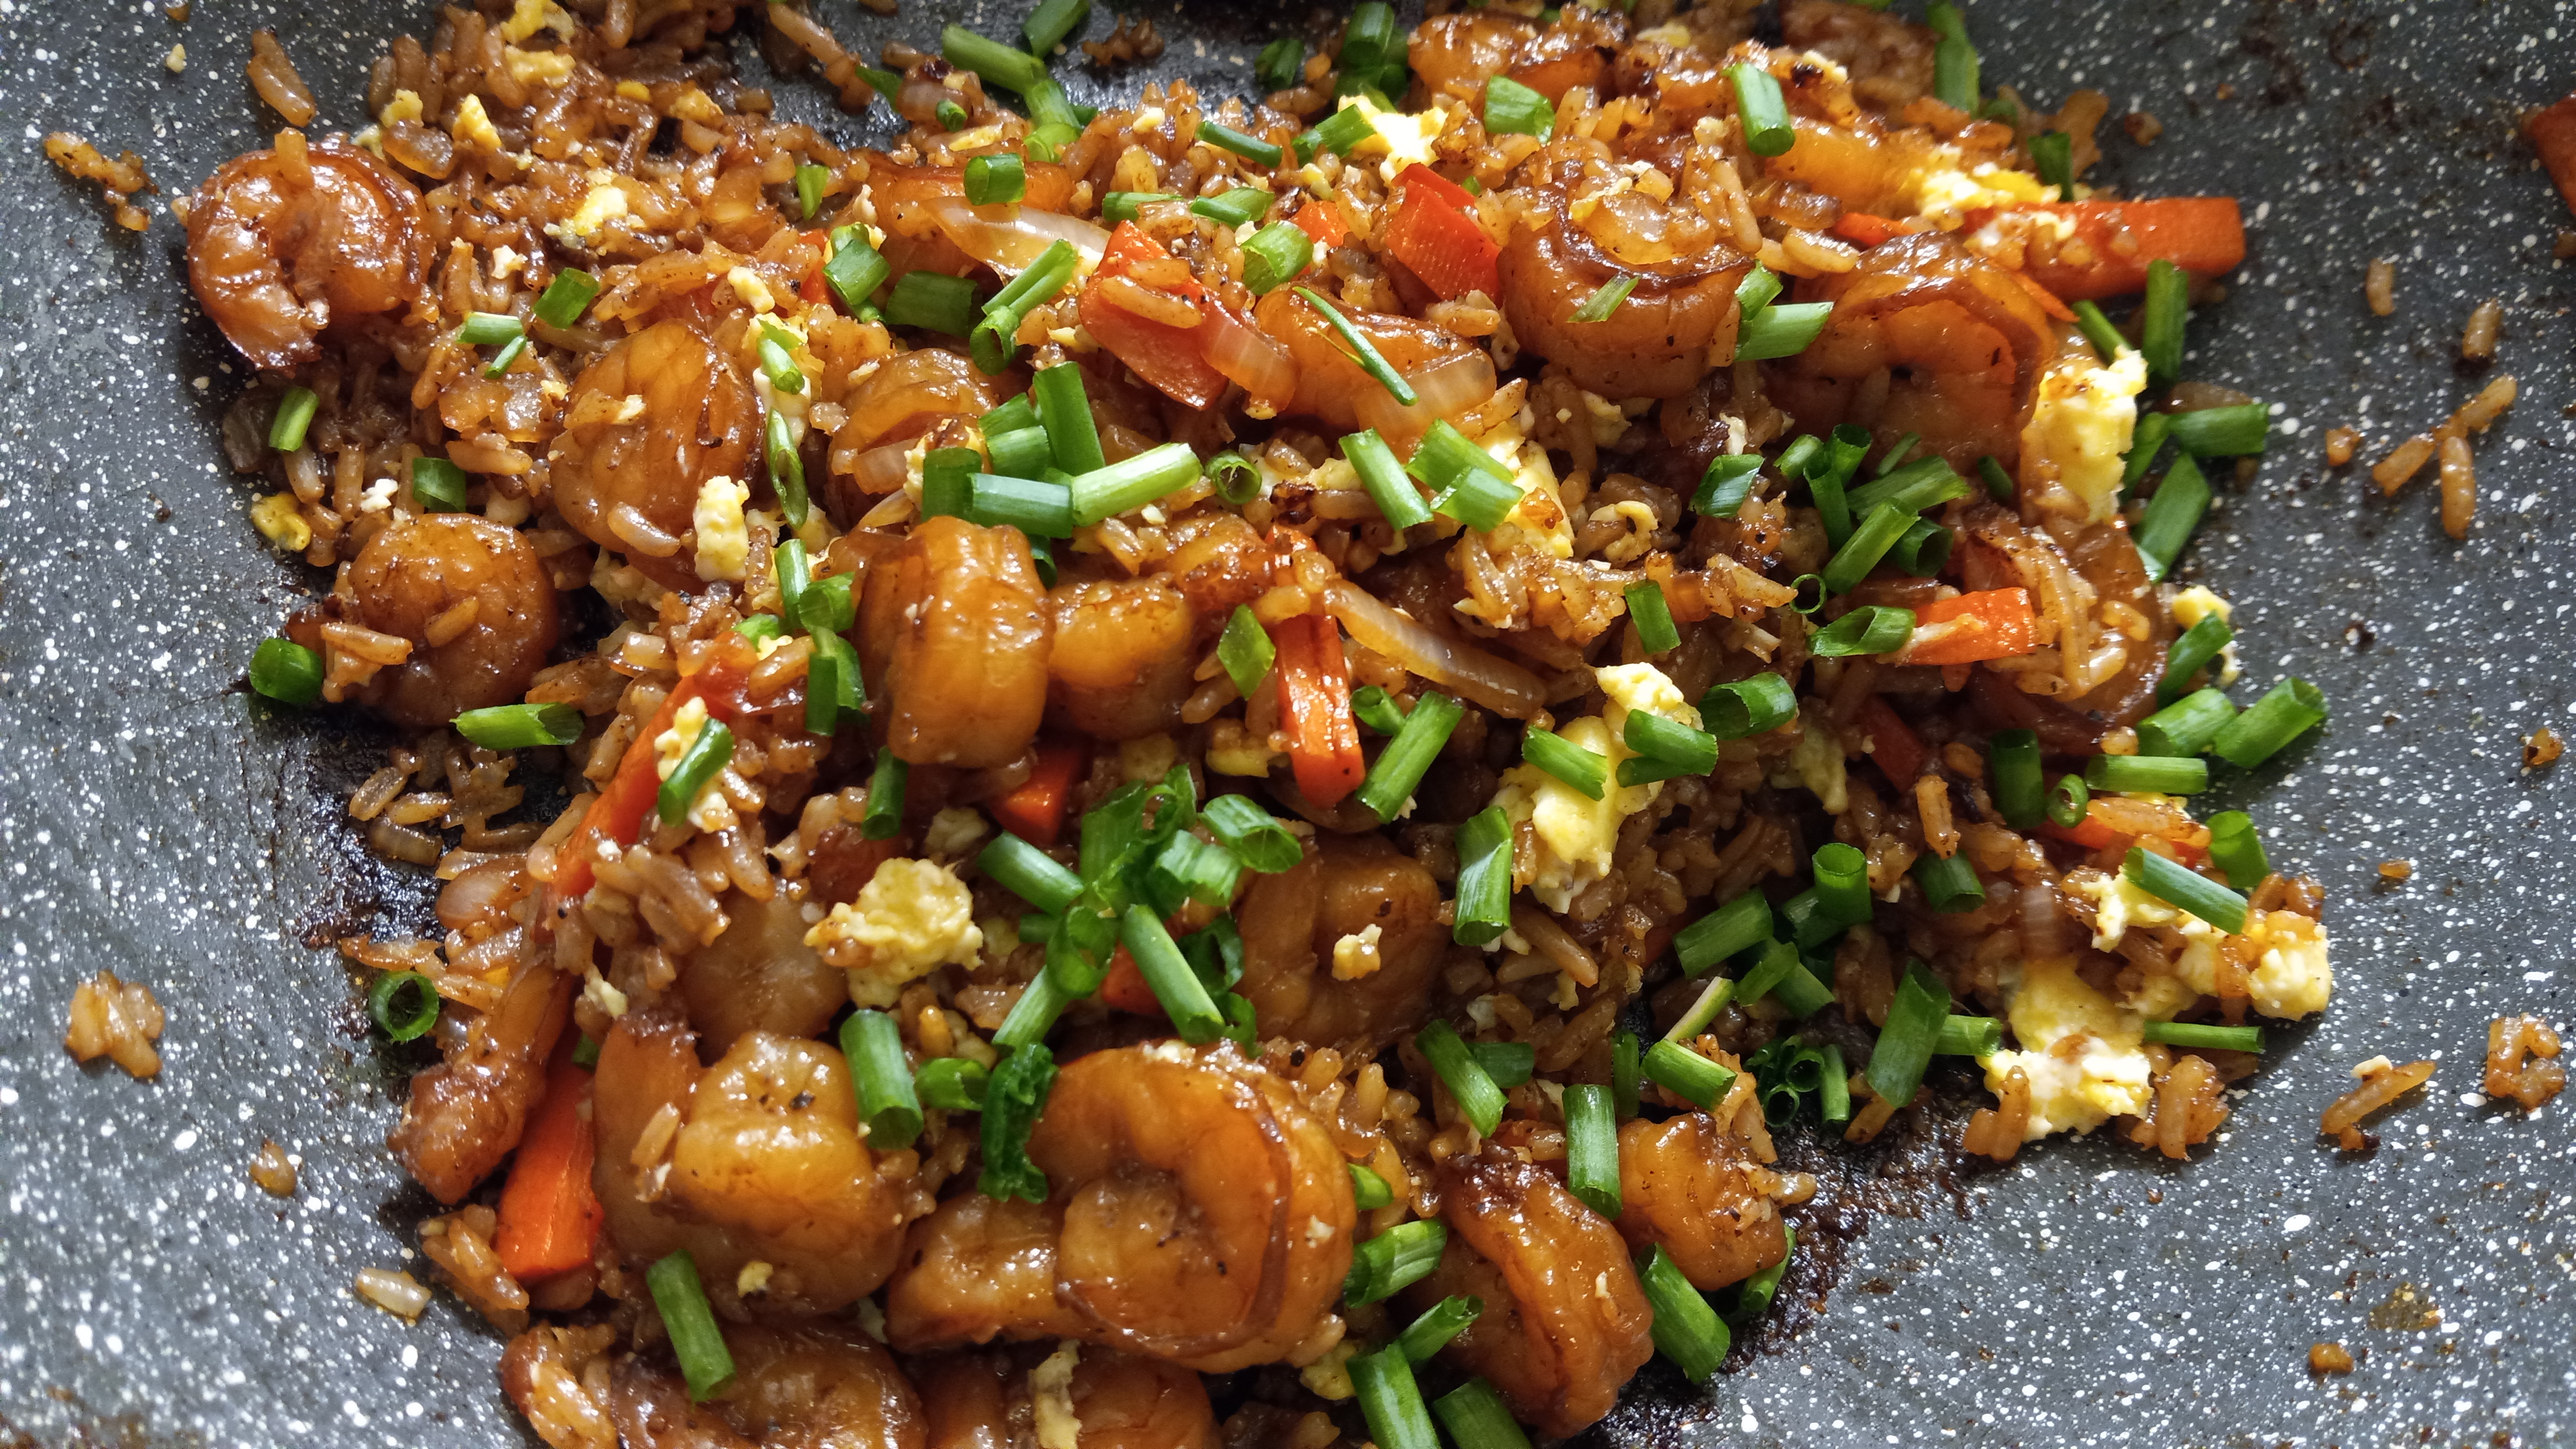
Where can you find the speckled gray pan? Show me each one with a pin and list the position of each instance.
(154, 822)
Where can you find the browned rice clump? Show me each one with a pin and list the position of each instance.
(2329, 1358)
(2541, 747)
(2381, 1085)
(274, 77)
(118, 1020)
(2518, 1069)
(120, 178)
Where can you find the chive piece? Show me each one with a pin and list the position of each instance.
(824, 605)
(438, 485)
(1922, 548)
(882, 1079)
(1917, 487)
(999, 64)
(2223, 432)
(1581, 770)
(1687, 1330)
(1396, 498)
(1905, 1043)
(1999, 484)
(832, 684)
(2168, 307)
(1118, 206)
(404, 1004)
(2097, 329)
(1337, 133)
(777, 363)
(951, 1084)
(2293, 707)
(1954, 60)
(1743, 708)
(1033, 1015)
(883, 819)
(1687, 1074)
(855, 271)
(1653, 616)
(810, 181)
(1592, 1148)
(1605, 299)
(585, 1053)
(948, 482)
(1810, 925)
(2171, 515)
(1754, 1298)
(2144, 444)
(1053, 20)
(711, 751)
(786, 467)
(294, 414)
(1780, 330)
(1036, 285)
(1779, 958)
(1762, 109)
(1513, 109)
(1130, 483)
(1968, 1036)
(1037, 509)
(1391, 1260)
(1245, 650)
(951, 116)
(1869, 629)
(501, 360)
(1029, 873)
(1509, 1063)
(1239, 207)
(884, 82)
(1189, 869)
(1014, 1096)
(1833, 1086)
(1372, 44)
(1738, 926)
(1842, 882)
(1726, 484)
(1185, 1000)
(794, 575)
(520, 726)
(933, 302)
(2237, 850)
(1949, 883)
(1249, 147)
(1042, 559)
(1712, 1000)
(1369, 1191)
(1442, 1321)
(1895, 453)
(996, 180)
(1478, 1099)
(1467, 483)
(2052, 155)
(1678, 748)
(2214, 1038)
(2158, 774)
(488, 329)
(2068, 802)
(1754, 293)
(1256, 839)
(1833, 505)
(1236, 478)
(1484, 906)
(1065, 408)
(2199, 645)
(1377, 709)
(1869, 543)
(696, 1341)
(2014, 777)
(1274, 256)
(1281, 62)
(2185, 889)
(761, 627)
(1363, 352)
(2186, 726)
(1477, 1418)
(1390, 1401)
(566, 297)
(1625, 1075)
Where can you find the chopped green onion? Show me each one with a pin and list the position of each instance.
(1396, 498)
(794, 576)
(951, 1084)
(1842, 882)
(855, 271)
(1917, 487)
(1712, 1000)
(1999, 484)
(2014, 777)
(1895, 453)
(1053, 20)
(2158, 774)
(1377, 709)
(760, 627)
(1743, 708)
(294, 414)
(1810, 925)
(1583, 771)
(882, 1079)
(1949, 882)
(1477, 1418)
(1029, 873)
(2210, 1038)
(1363, 352)
(884, 82)
(1954, 60)
(1372, 43)
(1390, 1401)
(404, 1004)
(1407, 758)
(832, 684)
(1245, 650)
(690, 1324)
(2097, 329)
(1726, 484)
(1391, 1260)
(1687, 1074)
(1131, 483)
(2069, 801)
(2237, 850)
(1014, 1096)
(1592, 1148)
(1337, 133)
(824, 606)
(1064, 407)
(2293, 707)
(1754, 293)
(1442, 1322)
(1665, 749)
(1037, 509)
(1274, 256)
(1687, 1330)
(1185, 1000)
(2144, 444)
(1118, 206)
(1760, 106)
(1250, 148)
(999, 64)
(509, 353)
(2185, 889)
(1922, 548)
(585, 1053)
(1781, 330)
(777, 364)
(2168, 307)
(1605, 299)
(1833, 1087)
(1781, 975)
(1236, 478)
(1467, 483)
(2186, 726)
(810, 181)
(1647, 609)
(1033, 1015)
(1913, 1028)
(1483, 910)
(520, 726)
(1969, 1036)
(1733, 928)
(1868, 544)
(2223, 432)
(710, 752)
(951, 116)
(566, 297)
(1189, 869)
(1625, 1075)
(786, 466)
(2052, 155)
(438, 485)
(2171, 515)
(1869, 629)
(883, 818)
(1281, 64)
(1369, 1191)
(1470, 1086)
(489, 329)
(948, 482)
(932, 301)
(1509, 1063)
(996, 180)
(1513, 109)
(1833, 505)
(1259, 841)
(1754, 1298)
(2190, 654)
(1239, 207)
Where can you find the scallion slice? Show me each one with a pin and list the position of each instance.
(948, 482)
(1738, 926)
(1869, 629)
(1762, 109)
(855, 271)
(1969, 1036)
(1581, 770)
(1390, 1401)
(1916, 487)
(1687, 1330)
(1236, 478)
(2185, 889)
(404, 1004)
(1922, 548)
(810, 181)
(1686, 1074)
(1999, 484)
(1184, 999)
(1479, 1100)
(1483, 910)
(1337, 133)
(883, 817)
(1397, 499)
(998, 179)
(1783, 329)
(1377, 709)
(1592, 1148)
(1245, 650)
(951, 1084)
(1513, 109)
(1281, 63)
(1509, 1063)
(1605, 299)
(1842, 882)
(438, 485)
(786, 466)
(2168, 307)
(2158, 774)
(2145, 443)
(2052, 155)
(1363, 352)
(1755, 292)
(1913, 1028)
(1665, 749)
(1391, 1260)
(1477, 1418)
(2068, 802)
(1014, 1097)
(2097, 329)
(1712, 1000)
(1869, 542)
(1726, 484)
(489, 329)
(2190, 654)
(520, 726)
(1131, 483)
(566, 297)
(1441, 1322)
(1249, 147)
(710, 752)
(1954, 67)
(1033, 1015)
(933, 302)
(1036, 508)
(1274, 256)
(1053, 20)
(777, 361)
(950, 115)
(882, 1080)
(1742, 708)
(2176, 509)
(1029, 873)
(2209, 1038)
(1833, 1086)
(1013, 70)
(499, 367)
(1241, 206)
(832, 684)
(295, 409)
(2237, 850)
(2013, 776)
(1258, 840)
(2186, 726)
(1064, 407)
(1949, 882)
(1626, 1075)
(1369, 1191)
(2291, 709)
(690, 1324)
(1118, 206)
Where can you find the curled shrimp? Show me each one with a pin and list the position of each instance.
(759, 975)
(1121, 663)
(650, 422)
(1449, 375)
(466, 1113)
(908, 395)
(955, 628)
(1565, 1320)
(814, 1386)
(424, 576)
(277, 252)
(988, 1400)
(979, 1268)
(1680, 316)
(1683, 1184)
(1456, 52)
(1926, 338)
(1292, 921)
(756, 1159)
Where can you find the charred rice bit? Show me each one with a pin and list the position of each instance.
(118, 1020)
(2519, 1049)
(2142, 126)
(273, 1170)
(2379, 286)
(396, 1292)
(2381, 1085)
(120, 178)
(2341, 444)
(2478, 338)
(2541, 748)
(2329, 1358)
(2393, 871)
(1997, 1131)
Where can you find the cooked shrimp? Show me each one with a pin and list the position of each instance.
(1683, 1184)
(757, 1159)
(409, 580)
(1565, 1320)
(277, 253)
(906, 396)
(466, 1113)
(650, 422)
(761, 976)
(988, 1401)
(955, 629)
(1449, 374)
(1121, 664)
(1681, 314)
(1292, 921)
(976, 1269)
(1926, 338)
(816, 1386)
(1456, 52)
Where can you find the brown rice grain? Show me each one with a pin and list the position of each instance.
(2329, 1358)
(2142, 126)
(273, 1170)
(2341, 444)
(2391, 472)
(274, 77)
(2480, 412)
(2478, 338)
(2396, 870)
(2379, 286)
(397, 1293)
(2459, 477)
(2342, 1119)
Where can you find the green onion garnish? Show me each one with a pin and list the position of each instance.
(1393, 1259)
(1442, 1321)
(1483, 909)
(786, 467)
(2185, 889)
(1687, 1330)
(1738, 926)
(1258, 840)
(1917, 487)
(1033, 1015)
(1377, 709)
(566, 297)
(1592, 1148)
(2144, 444)
(1239, 207)
(882, 1080)
(883, 818)
(2223, 432)
(776, 362)
(1407, 758)
(2157, 774)
(1665, 749)
(1390, 1401)
(2293, 707)
(438, 485)
(2069, 801)
(2168, 308)
(1869, 629)
(1754, 1298)
(1118, 206)
(1053, 20)
(711, 751)
(520, 726)
(2175, 510)
(1922, 548)
(2097, 329)
(1477, 1418)
(794, 575)
(1281, 64)
(294, 414)
(2186, 726)
(1842, 882)
(1895, 454)
(585, 1053)
(1626, 1076)
(1833, 505)
(1185, 1000)
(1369, 1191)
(1954, 60)
(999, 64)
(1037, 509)
(509, 353)
(1397, 499)
(1760, 106)
(1742, 708)
(1065, 408)
(1014, 1096)
(761, 627)
(1999, 484)
(1513, 109)
(1363, 352)
(832, 684)
(1807, 593)
(2215, 1038)
(1372, 45)
(996, 180)
(1653, 616)
(1726, 484)
(1833, 1090)
(1784, 977)
(855, 271)
(1509, 1063)
(948, 482)
(404, 1004)
(2190, 654)
(951, 1084)
(2237, 850)
(1868, 544)
(1250, 148)
(810, 181)
(1913, 1028)
(1470, 1086)
(1781, 330)
(2052, 154)
(696, 1341)
(1605, 299)
(1236, 478)
(2013, 776)
(1245, 650)
(1130, 483)
(1274, 256)
(1754, 293)
(1582, 770)
(1712, 1000)
(489, 329)
(933, 302)
(1969, 1036)
(1467, 483)
(1949, 883)
(1687, 1074)
(1189, 869)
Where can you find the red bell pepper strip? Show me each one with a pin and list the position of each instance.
(1173, 359)
(549, 1214)
(1435, 233)
(1315, 705)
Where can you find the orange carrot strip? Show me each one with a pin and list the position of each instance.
(2203, 235)
(1994, 624)
(1434, 232)
(1171, 358)
(2553, 135)
(617, 812)
(1863, 229)
(2046, 299)
(549, 1216)
(1035, 811)
(1125, 990)
(1323, 224)
(1315, 702)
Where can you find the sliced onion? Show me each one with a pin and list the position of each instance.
(1446, 389)
(883, 470)
(1011, 245)
(1261, 367)
(1496, 683)
(918, 100)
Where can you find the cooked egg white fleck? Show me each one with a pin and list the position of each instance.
(1944, 193)
(1575, 835)
(723, 540)
(2291, 976)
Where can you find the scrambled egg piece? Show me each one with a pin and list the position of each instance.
(473, 125)
(537, 67)
(2197, 603)
(1576, 835)
(754, 292)
(2083, 421)
(710, 811)
(724, 542)
(530, 16)
(1051, 1398)
(405, 106)
(281, 522)
(1944, 194)
(2291, 976)
(600, 205)
(2080, 1052)
(912, 917)
(1817, 764)
(1355, 956)
(696, 105)
(1405, 140)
